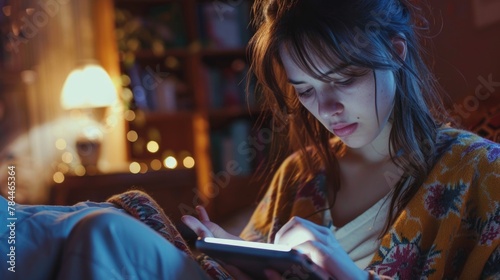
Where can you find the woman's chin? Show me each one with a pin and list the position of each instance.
(353, 142)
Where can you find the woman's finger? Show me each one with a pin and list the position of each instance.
(315, 251)
(198, 227)
(296, 232)
(331, 258)
(284, 229)
(202, 213)
(214, 228)
(206, 228)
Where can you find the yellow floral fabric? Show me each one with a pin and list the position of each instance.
(449, 230)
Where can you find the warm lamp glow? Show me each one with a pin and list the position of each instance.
(88, 87)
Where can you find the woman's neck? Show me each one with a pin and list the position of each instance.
(375, 152)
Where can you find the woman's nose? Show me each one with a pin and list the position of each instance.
(328, 107)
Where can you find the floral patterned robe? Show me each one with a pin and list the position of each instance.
(449, 230)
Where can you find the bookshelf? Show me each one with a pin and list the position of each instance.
(184, 65)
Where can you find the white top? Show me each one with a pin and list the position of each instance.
(359, 237)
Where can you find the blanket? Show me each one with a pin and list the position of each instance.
(144, 208)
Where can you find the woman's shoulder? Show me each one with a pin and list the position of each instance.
(303, 161)
(299, 168)
(466, 157)
(462, 143)
(293, 167)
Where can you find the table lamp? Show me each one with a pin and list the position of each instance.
(87, 88)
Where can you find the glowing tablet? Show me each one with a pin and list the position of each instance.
(253, 258)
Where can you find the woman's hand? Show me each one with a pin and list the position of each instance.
(203, 227)
(321, 246)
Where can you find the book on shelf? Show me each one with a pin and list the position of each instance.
(224, 25)
(155, 92)
(231, 148)
(226, 87)
(140, 95)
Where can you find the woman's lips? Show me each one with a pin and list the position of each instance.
(342, 130)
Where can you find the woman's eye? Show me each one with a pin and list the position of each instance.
(305, 93)
(345, 82)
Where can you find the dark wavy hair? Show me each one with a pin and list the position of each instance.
(358, 33)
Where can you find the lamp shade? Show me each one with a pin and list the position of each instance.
(89, 86)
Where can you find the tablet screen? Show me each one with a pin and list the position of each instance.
(253, 258)
(248, 244)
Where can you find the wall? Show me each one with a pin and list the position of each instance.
(467, 55)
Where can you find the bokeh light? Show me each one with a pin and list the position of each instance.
(156, 164)
(134, 167)
(58, 177)
(132, 136)
(153, 147)
(61, 144)
(188, 162)
(170, 162)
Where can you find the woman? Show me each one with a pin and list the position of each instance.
(380, 185)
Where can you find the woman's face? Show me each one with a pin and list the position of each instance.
(348, 106)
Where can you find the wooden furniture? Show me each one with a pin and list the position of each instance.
(170, 188)
(175, 191)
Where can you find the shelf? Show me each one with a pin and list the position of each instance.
(211, 103)
(142, 5)
(206, 55)
(232, 53)
(172, 132)
(220, 58)
(149, 55)
(165, 116)
(232, 112)
(220, 118)
(142, 2)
